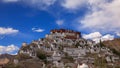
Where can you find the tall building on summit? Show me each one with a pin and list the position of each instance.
(64, 33)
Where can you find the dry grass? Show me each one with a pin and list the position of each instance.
(115, 44)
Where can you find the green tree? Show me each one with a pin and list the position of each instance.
(115, 52)
(77, 44)
(41, 54)
(101, 44)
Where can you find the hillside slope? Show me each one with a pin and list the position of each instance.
(7, 56)
(114, 44)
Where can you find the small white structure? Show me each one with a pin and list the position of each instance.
(75, 52)
(24, 44)
(16, 61)
(82, 66)
(56, 56)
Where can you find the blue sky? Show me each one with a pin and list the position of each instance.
(27, 20)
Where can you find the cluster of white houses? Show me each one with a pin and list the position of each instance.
(61, 42)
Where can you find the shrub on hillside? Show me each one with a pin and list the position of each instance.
(23, 56)
(41, 54)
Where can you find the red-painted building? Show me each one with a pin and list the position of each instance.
(69, 34)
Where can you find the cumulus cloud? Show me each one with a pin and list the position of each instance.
(37, 30)
(92, 35)
(107, 37)
(118, 33)
(104, 15)
(60, 22)
(8, 49)
(7, 31)
(96, 36)
(73, 4)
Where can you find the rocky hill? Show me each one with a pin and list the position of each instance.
(7, 56)
(66, 48)
(114, 44)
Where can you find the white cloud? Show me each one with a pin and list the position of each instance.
(8, 49)
(37, 30)
(73, 4)
(103, 16)
(41, 4)
(92, 35)
(107, 37)
(7, 31)
(96, 36)
(59, 22)
(118, 33)
(7, 1)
